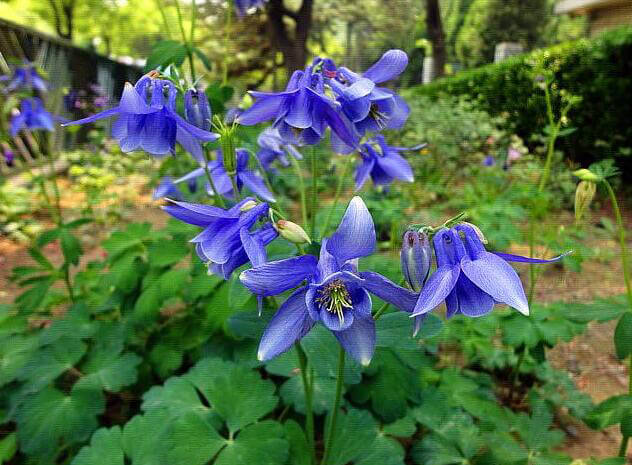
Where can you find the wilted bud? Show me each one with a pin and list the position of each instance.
(584, 195)
(587, 175)
(247, 206)
(197, 109)
(415, 256)
(292, 232)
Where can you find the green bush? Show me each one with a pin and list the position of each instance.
(598, 70)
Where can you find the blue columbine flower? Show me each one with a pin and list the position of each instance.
(302, 112)
(227, 241)
(369, 107)
(489, 161)
(273, 147)
(245, 6)
(334, 293)
(244, 177)
(147, 119)
(24, 77)
(383, 163)
(469, 279)
(32, 115)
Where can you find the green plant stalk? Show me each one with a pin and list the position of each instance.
(341, 179)
(309, 412)
(301, 187)
(628, 286)
(380, 311)
(336, 405)
(164, 17)
(314, 205)
(185, 39)
(219, 197)
(233, 180)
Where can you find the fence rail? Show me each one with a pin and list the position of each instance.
(67, 66)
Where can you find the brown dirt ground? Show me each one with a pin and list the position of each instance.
(589, 358)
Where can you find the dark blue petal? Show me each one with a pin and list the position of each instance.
(132, 102)
(359, 340)
(437, 288)
(396, 166)
(472, 300)
(264, 109)
(518, 258)
(273, 278)
(288, 325)
(388, 291)
(355, 236)
(498, 279)
(389, 66)
(104, 114)
(363, 171)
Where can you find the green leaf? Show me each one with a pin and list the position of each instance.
(260, 444)
(172, 282)
(238, 295)
(623, 336)
(293, 394)
(51, 361)
(402, 428)
(145, 437)
(176, 397)
(609, 412)
(126, 241)
(322, 351)
(8, 447)
(626, 424)
(30, 300)
(217, 379)
(164, 53)
(394, 330)
(39, 257)
(165, 358)
(124, 272)
(193, 441)
(299, 447)
(110, 370)
(166, 253)
(47, 237)
(203, 58)
(78, 222)
(534, 430)
(104, 449)
(15, 353)
(70, 246)
(50, 418)
(358, 440)
(457, 442)
(202, 285)
(148, 304)
(519, 330)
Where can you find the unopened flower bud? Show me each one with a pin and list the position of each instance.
(292, 232)
(587, 175)
(415, 257)
(247, 206)
(584, 195)
(197, 109)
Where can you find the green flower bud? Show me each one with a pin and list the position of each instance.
(584, 195)
(587, 175)
(292, 232)
(227, 142)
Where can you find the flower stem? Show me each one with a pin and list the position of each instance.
(336, 406)
(309, 412)
(301, 186)
(314, 205)
(622, 245)
(219, 197)
(233, 181)
(380, 311)
(341, 179)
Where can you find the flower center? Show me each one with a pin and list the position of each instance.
(380, 118)
(335, 297)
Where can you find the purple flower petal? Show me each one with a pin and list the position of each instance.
(518, 258)
(104, 114)
(437, 288)
(256, 185)
(265, 108)
(497, 278)
(390, 65)
(355, 236)
(273, 278)
(388, 291)
(359, 340)
(472, 301)
(396, 166)
(288, 325)
(363, 171)
(132, 102)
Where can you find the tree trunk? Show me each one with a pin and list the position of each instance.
(292, 46)
(434, 27)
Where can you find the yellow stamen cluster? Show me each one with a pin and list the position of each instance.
(335, 297)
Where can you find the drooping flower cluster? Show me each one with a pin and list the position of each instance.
(330, 290)
(25, 77)
(323, 96)
(32, 115)
(147, 119)
(273, 147)
(469, 279)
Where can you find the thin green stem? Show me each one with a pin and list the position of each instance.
(341, 180)
(301, 187)
(336, 406)
(53, 179)
(309, 412)
(624, 446)
(314, 205)
(219, 197)
(516, 371)
(622, 244)
(164, 17)
(233, 181)
(68, 283)
(380, 311)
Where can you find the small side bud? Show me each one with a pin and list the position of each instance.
(247, 206)
(197, 110)
(292, 232)
(415, 256)
(584, 195)
(587, 175)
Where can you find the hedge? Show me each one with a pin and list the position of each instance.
(600, 70)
